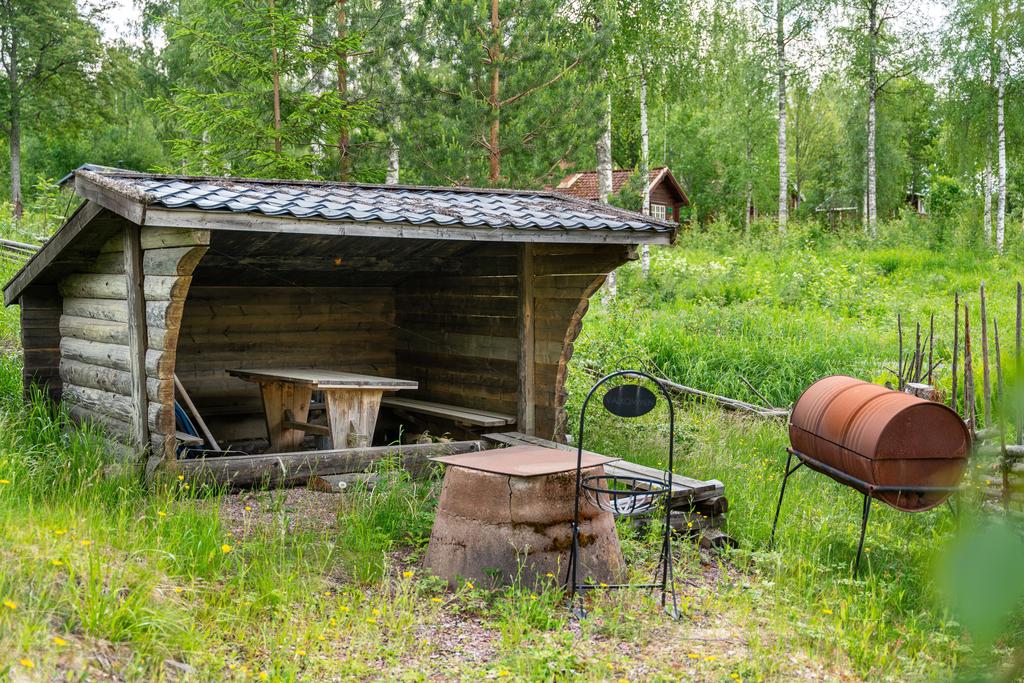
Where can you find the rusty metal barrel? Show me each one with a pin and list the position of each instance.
(880, 438)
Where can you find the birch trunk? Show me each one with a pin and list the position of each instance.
(604, 154)
(1001, 142)
(780, 54)
(604, 181)
(988, 192)
(394, 153)
(645, 168)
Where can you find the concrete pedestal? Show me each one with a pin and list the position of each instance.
(493, 528)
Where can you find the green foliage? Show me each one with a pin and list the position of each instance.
(250, 48)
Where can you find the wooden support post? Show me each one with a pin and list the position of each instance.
(526, 404)
(136, 299)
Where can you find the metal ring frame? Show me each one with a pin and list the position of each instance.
(664, 570)
(868, 489)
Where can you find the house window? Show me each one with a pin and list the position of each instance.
(658, 211)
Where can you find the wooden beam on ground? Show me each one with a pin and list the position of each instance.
(293, 469)
(526, 418)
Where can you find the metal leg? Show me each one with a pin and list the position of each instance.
(782, 493)
(575, 602)
(863, 528)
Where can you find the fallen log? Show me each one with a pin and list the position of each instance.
(294, 469)
(725, 401)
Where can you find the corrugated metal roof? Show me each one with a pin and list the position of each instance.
(403, 204)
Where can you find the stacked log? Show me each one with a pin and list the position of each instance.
(96, 328)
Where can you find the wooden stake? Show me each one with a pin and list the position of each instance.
(969, 406)
(956, 350)
(899, 367)
(1005, 461)
(931, 346)
(985, 378)
(1019, 380)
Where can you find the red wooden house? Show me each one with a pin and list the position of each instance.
(667, 195)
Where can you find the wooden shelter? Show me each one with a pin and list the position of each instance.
(476, 296)
(667, 195)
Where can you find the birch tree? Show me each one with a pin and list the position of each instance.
(883, 52)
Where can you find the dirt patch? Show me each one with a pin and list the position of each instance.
(294, 509)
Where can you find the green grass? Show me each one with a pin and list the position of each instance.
(100, 569)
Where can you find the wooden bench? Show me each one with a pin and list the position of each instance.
(685, 490)
(464, 417)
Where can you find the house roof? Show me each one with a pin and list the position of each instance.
(584, 183)
(394, 204)
(328, 208)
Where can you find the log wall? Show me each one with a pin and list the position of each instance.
(40, 337)
(94, 352)
(459, 336)
(223, 327)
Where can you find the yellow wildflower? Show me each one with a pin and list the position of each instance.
(300, 652)
(436, 600)
(55, 562)
(225, 548)
(376, 612)
(232, 666)
(248, 508)
(10, 604)
(693, 655)
(27, 663)
(178, 589)
(343, 608)
(371, 621)
(161, 513)
(186, 486)
(5, 482)
(504, 672)
(407, 574)
(85, 542)
(181, 477)
(263, 676)
(550, 575)
(469, 585)
(57, 640)
(826, 611)
(710, 658)
(333, 621)
(59, 532)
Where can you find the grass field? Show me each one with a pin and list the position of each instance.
(100, 578)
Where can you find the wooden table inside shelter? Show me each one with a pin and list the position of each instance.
(352, 402)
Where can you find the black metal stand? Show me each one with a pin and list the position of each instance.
(869, 491)
(663, 574)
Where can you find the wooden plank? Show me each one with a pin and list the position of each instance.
(685, 489)
(187, 400)
(322, 378)
(526, 358)
(478, 418)
(92, 187)
(255, 222)
(136, 299)
(290, 469)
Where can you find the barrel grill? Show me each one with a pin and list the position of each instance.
(881, 439)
